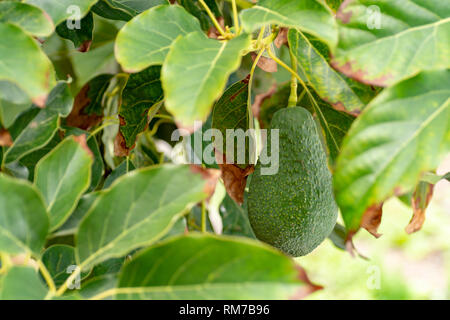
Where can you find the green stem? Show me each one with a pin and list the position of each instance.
(103, 126)
(213, 18)
(292, 102)
(236, 17)
(47, 277)
(203, 216)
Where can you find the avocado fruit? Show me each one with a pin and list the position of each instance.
(294, 210)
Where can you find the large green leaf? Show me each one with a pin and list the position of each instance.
(35, 135)
(64, 9)
(402, 133)
(195, 73)
(28, 17)
(210, 267)
(98, 167)
(23, 218)
(411, 36)
(24, 63)
(311, 16)
(124, 9)
(146, 39)
(62, 176)
(328, 84)
(143, 91)
(136, 210)
(22, 283)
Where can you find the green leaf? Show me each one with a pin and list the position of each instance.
(97, 61)
(23, 218)
(136, 211)
(328, 84)
(97, 285)
(124, 9)
(334, 124)
(60, 262)
(209, 267)
(70, 227)
(35, 135)
(402, 133)
(64, 9)
(311, 16)
(195, 73)
(60, 99)
(82, 37)
(62, 176)
(231, 113)
(143, 91)
(146, 40)
(22, 283)
(409, 37)
(235, 219)
(24, 63)
(125, 167)
(31, 19)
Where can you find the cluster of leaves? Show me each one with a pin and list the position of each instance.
(89, 198)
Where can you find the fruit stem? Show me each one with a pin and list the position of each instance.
(236, 17)
(292, 102)
(213, 19)
(203, 216)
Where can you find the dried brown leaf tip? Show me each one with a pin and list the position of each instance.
(234, 178)
(308, 286)
(120, 144)
(419, 202)
(266, 64)
(77, 117)
(372, 218)
(85, 46)
(282, 37)
(81, 140)
(5, 138)
(211, 176)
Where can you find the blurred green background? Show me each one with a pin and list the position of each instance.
(400, 266)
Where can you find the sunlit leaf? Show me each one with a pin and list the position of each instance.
(195, 73)
(401, 134)
(136, 211)
(22, 283)
(146, 39)
(62, 176)
(384, 42)
(311, 16)
(24, 220)
(209, 267)
(31, 19)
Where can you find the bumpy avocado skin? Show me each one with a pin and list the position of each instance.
(294, 210)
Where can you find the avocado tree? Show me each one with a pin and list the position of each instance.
(191, 149)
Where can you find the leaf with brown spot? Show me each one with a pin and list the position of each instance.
(371, 219)
(142, 91)
(265, 64)
(306, 290)
(81, 140)
(234, 178)
(419, 202)
(373, 37)
(5, 138)
(87, 111)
